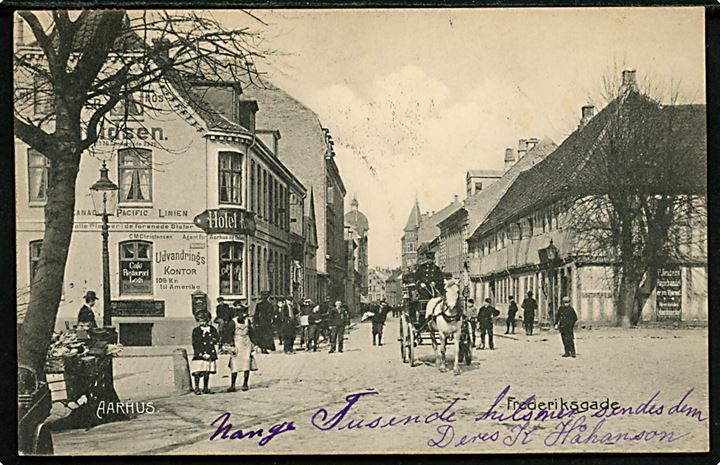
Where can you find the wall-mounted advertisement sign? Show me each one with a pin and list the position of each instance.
(668, 293)
(226, 221)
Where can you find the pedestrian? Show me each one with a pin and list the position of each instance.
(485, 320)
(378, 321)
(243, 358)
(512, 311)
(565, 320)
(337, 320)
(529, 306)
(86, 315)
(305, 310)
(222, 310)
(263, 322)
(471, 312)
(204, 338)
(288, 326)
(314, 321)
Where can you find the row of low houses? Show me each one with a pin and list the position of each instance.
(223, 190)
(515, 232)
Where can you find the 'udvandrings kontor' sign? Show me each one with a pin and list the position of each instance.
(226, 221)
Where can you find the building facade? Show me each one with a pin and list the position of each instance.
(528, 241)
(484, 188)
(205, 210)
(306, 148)
(393, 289)
(376, 284)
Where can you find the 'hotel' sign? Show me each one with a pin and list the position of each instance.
(226, 221)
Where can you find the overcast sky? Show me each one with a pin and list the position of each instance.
(415, 98)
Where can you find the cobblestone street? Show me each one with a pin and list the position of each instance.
(294, 387)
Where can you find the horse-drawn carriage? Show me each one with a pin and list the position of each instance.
(426, 284)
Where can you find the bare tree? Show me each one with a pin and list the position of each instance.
(647, 203)
(81, 67)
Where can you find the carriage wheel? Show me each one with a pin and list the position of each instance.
(403, 342)
(411, 345)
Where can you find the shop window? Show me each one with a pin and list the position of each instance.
(38, 176)
(231, 264)
(35, 251)
(135, 174)
(230, 182)
(136, 268)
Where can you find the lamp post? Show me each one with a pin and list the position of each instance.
(105, 197)
(552, 256)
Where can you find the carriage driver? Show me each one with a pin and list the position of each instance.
(428, 277)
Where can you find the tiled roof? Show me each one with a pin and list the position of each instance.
(572, 169)
(428, 226)
(481, 204)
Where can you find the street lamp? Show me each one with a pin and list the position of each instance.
(105, 198)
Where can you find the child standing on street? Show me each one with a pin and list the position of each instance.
(204, 338)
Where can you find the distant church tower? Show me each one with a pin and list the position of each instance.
(409, 241)
(358, 222)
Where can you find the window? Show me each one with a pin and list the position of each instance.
(38, 177)
(265, 194)
(330, 194)
(478, 187)
(253, 264)
(251, 202)
(530, 226)
(136, 268)
(230, 182)
(135, 168)
(35, 251)
(231, 263)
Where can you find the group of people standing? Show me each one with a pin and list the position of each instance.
(483, 319)
(233, 336)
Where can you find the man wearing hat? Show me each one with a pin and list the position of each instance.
(565, 322)
(529, 306)
(86, 315)
(378, 321)
(485, 319)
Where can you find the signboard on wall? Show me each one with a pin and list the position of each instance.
(138, 308)
(668, 293)
(226, 220)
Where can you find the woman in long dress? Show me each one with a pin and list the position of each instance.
(242, 358)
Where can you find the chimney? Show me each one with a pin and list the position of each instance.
(628, 80)
(456, 198)
(246, 110)
(522, 148)
(587, 112)
(531, 143)
(509, 158)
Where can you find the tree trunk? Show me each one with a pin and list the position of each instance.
(626, 312)
(36, 331)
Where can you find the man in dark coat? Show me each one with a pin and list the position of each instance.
(288, 325)
(529, 306)
(485, 320)
(263, 323)
(223, 313)
(565, 322)
(86, 314)
(378, 321)
(512, 311)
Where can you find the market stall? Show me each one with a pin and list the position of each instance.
(83, 359)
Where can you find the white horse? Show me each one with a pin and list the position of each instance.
(445, 318)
